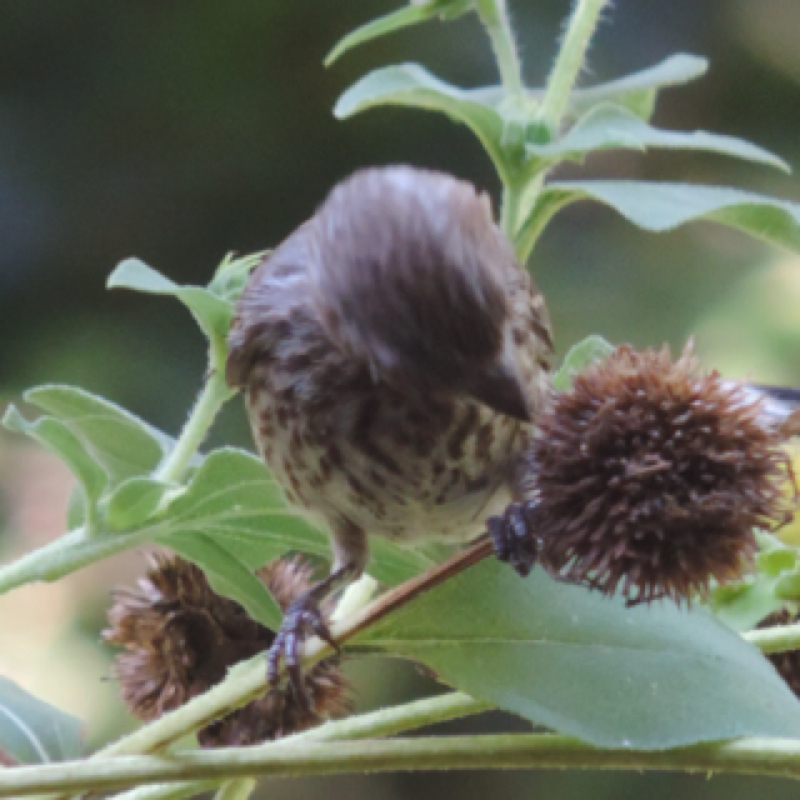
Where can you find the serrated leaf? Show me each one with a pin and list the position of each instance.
(581, 355)
(59, 439)
(122, 444)
(211, 312)
(564, 657)
(637, 91)
(664, 206)
(34, 732)
(607, 127)
(134, 501)
(403, 17)
(413, 86)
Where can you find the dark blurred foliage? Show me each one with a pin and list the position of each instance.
(179, 131)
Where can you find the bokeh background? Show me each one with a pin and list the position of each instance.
(178, 131)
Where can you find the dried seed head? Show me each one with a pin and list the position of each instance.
(180, 639)
(649, 476)
(787, 664)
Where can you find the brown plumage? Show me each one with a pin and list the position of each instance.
(391, 350)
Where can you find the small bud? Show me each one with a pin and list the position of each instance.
(649, 476)
(181, 637)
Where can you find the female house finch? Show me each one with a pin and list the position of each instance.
(392, 353)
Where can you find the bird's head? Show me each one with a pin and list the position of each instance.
(411, 273)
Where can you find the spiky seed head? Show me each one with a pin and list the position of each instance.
(180, 638)
(649, 477)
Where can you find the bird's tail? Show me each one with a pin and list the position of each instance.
(781, 406)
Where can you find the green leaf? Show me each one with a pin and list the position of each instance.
(412, 85)
(569, 659)
(664, 206)
(121, 443)
(233, 501)
(34, 732)
(228, 576)
(212, 313)
(607, 127)
(404, 17)
(59, 439)
(588, 351)
(637, 92)
(232, 274)
(134, 501)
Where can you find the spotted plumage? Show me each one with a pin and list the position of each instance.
(392, 352)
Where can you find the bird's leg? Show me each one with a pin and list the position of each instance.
(514, 542)
(303, 618)
(512, 538)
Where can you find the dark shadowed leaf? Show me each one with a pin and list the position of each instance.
(566, 658)
(34, 732)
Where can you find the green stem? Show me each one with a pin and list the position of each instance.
(570, 61)
(748, 756)
(239, 789)
(777, 639)
(214, 395)
(64, 555)
(494, 15)
(373, 724)
(179, 790)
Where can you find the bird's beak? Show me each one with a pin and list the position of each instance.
(500, 387)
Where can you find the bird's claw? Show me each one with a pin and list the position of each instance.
(512, 537)
(302, 619)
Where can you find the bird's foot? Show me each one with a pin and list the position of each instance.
(512, 537)
(302, 619)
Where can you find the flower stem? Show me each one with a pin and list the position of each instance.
(569, 61)
(373, 724)
(239, 789)
(214, 395)
(754, 756)
(777, 639)
(494, 15)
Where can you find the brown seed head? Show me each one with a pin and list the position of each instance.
(650, 476)
(180, 639)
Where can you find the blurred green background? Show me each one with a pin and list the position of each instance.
(179, 131)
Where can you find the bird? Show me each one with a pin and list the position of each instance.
(393, 354)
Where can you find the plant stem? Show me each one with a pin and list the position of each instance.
(63, 555)
(213, 396)
(373, 724)
(777, 639)
(569, 61)
(754, 756)
(248, 679)
(494, 15)
(179, 790)
(239, 789)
